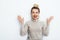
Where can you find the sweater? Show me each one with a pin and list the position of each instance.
(35, 29)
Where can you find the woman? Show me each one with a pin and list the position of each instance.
(34, 28)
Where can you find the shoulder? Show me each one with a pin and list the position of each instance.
(27, 22)
(42, 22)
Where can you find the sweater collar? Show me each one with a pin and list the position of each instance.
(35, 20)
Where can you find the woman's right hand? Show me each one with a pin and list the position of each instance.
(21, 19)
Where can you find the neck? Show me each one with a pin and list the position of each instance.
(35, 20)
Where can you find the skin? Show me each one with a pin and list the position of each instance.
(35, 14)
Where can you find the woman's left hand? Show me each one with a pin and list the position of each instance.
(49, 19)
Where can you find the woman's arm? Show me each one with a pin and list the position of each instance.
(46, 26)
(24, 27)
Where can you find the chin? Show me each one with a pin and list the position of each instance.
(35, 18)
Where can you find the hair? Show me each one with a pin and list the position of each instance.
(35, 6)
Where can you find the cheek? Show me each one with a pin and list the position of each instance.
(37, 15)
(32, 14)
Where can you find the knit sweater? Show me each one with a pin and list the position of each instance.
(35, 29)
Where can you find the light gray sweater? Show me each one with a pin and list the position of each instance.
(35, 29)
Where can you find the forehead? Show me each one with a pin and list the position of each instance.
(34, 10)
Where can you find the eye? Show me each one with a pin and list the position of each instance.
(33, 12)
(36, 12)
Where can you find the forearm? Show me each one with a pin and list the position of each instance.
(46, 29)
(23, 29)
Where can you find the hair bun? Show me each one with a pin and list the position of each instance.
(35, 5)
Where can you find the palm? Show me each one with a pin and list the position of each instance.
(49, 19)
(21, 19)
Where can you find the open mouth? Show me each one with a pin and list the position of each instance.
(35, 16)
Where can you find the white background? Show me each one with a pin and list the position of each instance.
(10, 9)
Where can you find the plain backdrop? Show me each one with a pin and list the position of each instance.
(10, 9)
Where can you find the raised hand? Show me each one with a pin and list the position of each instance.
(49, 19)
(21, 19)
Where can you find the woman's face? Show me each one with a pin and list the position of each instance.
(35, 14)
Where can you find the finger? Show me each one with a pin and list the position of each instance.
(19, 16)
(23, 19)
(51, 17)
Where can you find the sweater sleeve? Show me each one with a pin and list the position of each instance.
(23, 29)
(45, 29)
